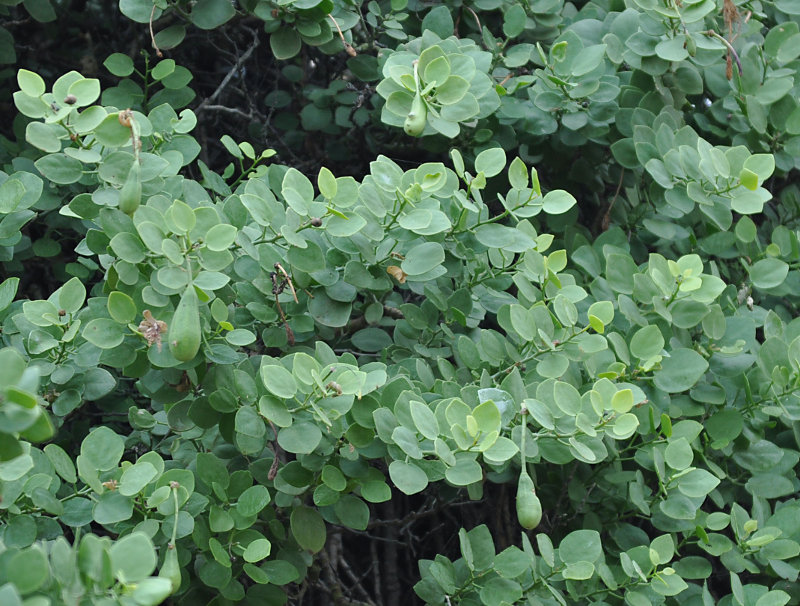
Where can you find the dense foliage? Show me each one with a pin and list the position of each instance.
(536, 344)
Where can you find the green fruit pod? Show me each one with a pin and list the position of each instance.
(130, 196)
(184, 330)
(529, 508)
(417, 117)
(690, 44)
(171, 570)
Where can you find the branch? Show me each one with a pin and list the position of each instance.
(236, 67)
(226, 109)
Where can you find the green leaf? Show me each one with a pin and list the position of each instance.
(408, 478)
(104, 333)
(647, 342)
(748, 179)
(588, 59)
(422, 258)
(502, 237)
(71, 296)
(60, 168)
(523, 322)
(668, 584)
(678, 454)
(29, 569)
(119, 65)
(499, 591)
(136, 477)
(680, 371)
(580, 546)
(111, 133)
(514, 21)
(452, 90)
(278, 380)
(557, 201)
(329, 312)
(112, 507)
(625, 425)
(697, 483)
(487, 416)
(210, 14)
(352, 512)
(768, 273)
(490, 161)
(437, 71)
(133, 557)
(183, 218)
(578, 571)
(308, 528)
(163, 68)
(763, 165)
(285, 43)
(9, 595)
(62, 462)
(559, 51)
(622, 401)
(85, 90)
(724, 425)
(371, 339)
(439, 21)
(466, 471)
(121, 307)
(253, 500)
(326, 183)
(301, 437)
(424, 420)
(103, 448)
(220, 237)
(151, 591)
(257, 550)
(30, 83)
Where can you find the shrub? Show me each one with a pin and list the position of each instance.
(229, 376)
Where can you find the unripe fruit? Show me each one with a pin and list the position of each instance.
(417, 117)
(184, 330)
(691, 45)
(131, 193)
(171, 570)
(529, 508)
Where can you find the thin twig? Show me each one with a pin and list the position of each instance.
(229, 110)
(277, 289)
(342, 563)
(480, 27)
(712, 34)
(607, 216)
(152, 35)
(279, 267)
(236, 67)
(347, 46)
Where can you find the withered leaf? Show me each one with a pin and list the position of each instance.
(152, 329)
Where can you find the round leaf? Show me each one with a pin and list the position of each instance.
(408, 478)
(308, 528)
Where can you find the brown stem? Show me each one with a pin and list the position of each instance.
(347, 46)
(152, 35)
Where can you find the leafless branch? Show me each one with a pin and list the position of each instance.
(236, 68)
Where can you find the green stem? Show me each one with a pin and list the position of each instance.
(174, 486)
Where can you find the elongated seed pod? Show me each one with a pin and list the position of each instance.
(417, 117)
(171, 570)
(130, 195)
(184, 330)
(529, 508)
(690, 44)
